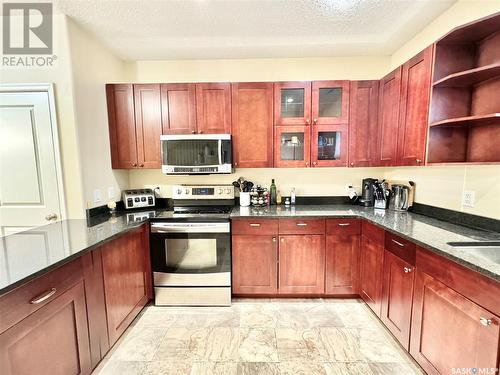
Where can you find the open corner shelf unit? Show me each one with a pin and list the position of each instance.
(464, 118)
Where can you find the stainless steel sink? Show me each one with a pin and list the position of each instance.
(486, 249)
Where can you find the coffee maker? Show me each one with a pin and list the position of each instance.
(367, 188)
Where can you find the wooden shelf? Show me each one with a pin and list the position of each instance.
(469, 77)
(493, 118)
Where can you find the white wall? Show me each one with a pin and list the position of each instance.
(93, 66)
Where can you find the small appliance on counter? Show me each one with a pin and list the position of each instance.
(138, 198)
(382, 195)
(402, 193)
(367, 192)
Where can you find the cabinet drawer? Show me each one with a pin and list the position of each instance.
(28, 298)
(404, 249)
(373, 232)
(302, 226)
(343, 226)
(257, 227)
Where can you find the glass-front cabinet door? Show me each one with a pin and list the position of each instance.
(292, 103)
(292, 146)
(330, 102)
(329, 145)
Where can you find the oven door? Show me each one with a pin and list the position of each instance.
(191, 253)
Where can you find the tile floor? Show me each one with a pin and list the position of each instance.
(259, 336)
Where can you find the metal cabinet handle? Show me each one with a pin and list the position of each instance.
(315, 120)
(282, 240)
(302, 224)
(50, 217)
(419, 161)
(398, 243)
(141, 165)
(308, 121)
(254, 225)
(193, 132)
(344, 224)
(44, 296)
(134, 164)
(352, 164)
(407, 270)
(307, 163)
(235, 164)
(485, 321)
(274, 239)
(314, 163)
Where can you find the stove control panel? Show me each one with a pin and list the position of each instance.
(203, 192)
(137, 198)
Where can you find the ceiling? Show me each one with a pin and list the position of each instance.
(210, 29)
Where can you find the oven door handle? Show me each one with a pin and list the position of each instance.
(190, 227)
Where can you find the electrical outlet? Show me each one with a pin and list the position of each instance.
(469, 198)
(97, 196)
(348, 187)
(111, 192)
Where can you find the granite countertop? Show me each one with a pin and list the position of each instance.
(427, 232)
(28, 254)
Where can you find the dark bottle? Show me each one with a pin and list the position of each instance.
(272, 192)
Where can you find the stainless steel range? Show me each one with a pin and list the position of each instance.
(191, 249)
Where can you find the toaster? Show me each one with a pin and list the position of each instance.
(138, 198)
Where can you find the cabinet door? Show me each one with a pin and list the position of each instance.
(255, 264)
(52, 340)
(252, 124)
(342, 261)
(363, 123)
(388, 118)
(397, 297)
(178, 108)
(292, 146)
(213, 108)
(415, 94)
(126, 280)
(121, 118)
(370, 273)
(292, 103)
(148, 125)
(451, 331)
(329, 146)
(330, 102)
(302, 264)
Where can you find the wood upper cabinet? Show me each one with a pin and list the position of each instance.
(292, 145)
(330, 102)
(301, 264)
(397, 297)
(252, 124)
(44, 326)
(121, 117)
(255, 267)
(371, 265)
(213, 108)
(388, 119)
(451, 331)
(127, 279)
(329, 145)
(363, 123)
(415, 95)
(178, 108)
(292, 103)
(148, 125)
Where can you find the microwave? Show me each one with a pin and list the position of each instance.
(196, 154)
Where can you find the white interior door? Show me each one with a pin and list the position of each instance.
(30, 188)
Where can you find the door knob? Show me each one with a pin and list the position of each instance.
(314, 163)
(485, 321)
(50, 217)
(407, 269)
(274, 239)
(193, 132)
(352, 164)
(308, 121)
(141, 165)
(419, 161)
(315, 120)
(134, 164)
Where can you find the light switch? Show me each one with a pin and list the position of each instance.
(111, 192)
(97, 196)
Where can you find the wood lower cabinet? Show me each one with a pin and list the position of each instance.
(342, 263)
(450, 331)
(371, 266)
(255, 264)
(363, 129)
(127, 279)
(52, 340)
(397, 297)
(252, 124)
(213, 108)
(301, 264)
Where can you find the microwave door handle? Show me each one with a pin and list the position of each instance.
(220, 151)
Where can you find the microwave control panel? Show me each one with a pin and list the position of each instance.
(203, 192)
